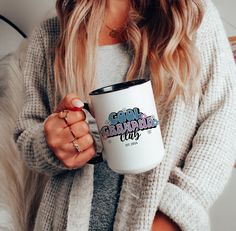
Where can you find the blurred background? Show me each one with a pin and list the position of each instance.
(25, 14)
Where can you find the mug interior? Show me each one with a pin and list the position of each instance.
(118, 86)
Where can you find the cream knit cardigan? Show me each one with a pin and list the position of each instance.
(199, 143)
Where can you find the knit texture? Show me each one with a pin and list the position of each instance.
(198, 139)
(107, 185)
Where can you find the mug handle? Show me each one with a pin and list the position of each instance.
(86, 106)
(100, 155)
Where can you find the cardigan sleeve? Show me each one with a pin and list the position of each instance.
(29, 131)
(208, 165)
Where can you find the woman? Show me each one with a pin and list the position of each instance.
(181, 46)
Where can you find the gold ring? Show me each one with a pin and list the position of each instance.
(64, 115)
(76, 145)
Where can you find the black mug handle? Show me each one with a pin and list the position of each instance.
(98, 157)
(86, 106)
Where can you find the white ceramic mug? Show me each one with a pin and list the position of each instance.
(129, 128)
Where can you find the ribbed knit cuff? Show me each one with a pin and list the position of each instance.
(45, 160)
(183, 209)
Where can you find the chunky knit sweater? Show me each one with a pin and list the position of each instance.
(198, 139)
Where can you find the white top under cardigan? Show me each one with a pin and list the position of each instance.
(199, 143)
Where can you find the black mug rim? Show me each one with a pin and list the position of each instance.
(118, 87)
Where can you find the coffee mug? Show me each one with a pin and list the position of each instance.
(128, 124)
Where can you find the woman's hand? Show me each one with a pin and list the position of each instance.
(163, 223)
(61, 133)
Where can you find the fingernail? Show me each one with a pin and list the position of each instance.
(77, 103)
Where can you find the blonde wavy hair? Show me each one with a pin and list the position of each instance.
(159, 32)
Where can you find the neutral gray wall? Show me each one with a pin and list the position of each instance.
(25, 13)
(227, 11)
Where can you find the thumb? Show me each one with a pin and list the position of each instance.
(70, 102)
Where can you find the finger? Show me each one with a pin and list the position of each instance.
(78, 129)
(58, 127)
(53, 123)
(84, 143)
(64, 155)
(86, 155)
(73, 117)
(56, 123)
(80, 159)
(70, 102)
